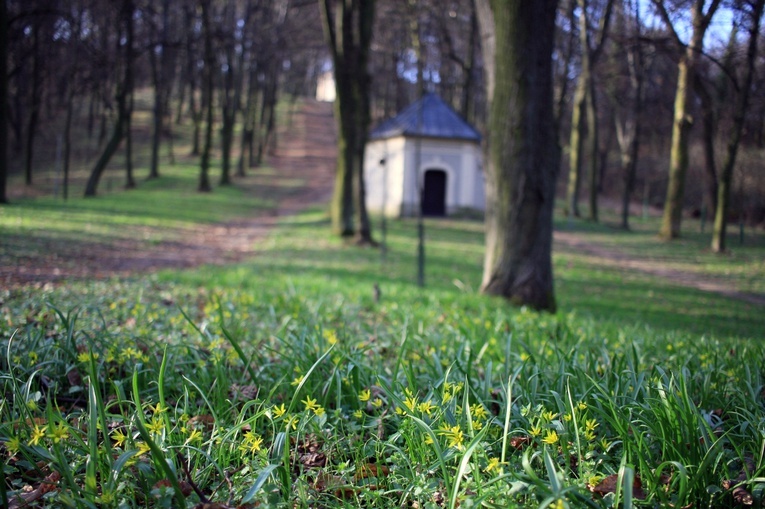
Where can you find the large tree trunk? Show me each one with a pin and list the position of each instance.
(523, 155)
(3, 101)
(348, 30)
(739, 115)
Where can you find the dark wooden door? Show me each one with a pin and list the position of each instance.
(434, 193)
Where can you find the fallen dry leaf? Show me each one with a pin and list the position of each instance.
(46, 486)
(608, 485)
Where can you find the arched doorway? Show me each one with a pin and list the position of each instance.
(434, 193)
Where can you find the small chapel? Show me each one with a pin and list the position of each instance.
(426, 146)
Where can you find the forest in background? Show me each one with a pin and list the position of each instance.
(78, 71)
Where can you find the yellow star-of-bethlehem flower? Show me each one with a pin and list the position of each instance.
(119, 437)
(492, 465)
(59, 432)
(143, 448)
(551, 437)
(38, 433)
(156, 426)
(279, 411)
(365, 395)
(310, 403)
(298, 380)
(426, 407)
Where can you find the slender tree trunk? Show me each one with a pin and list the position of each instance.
(592, 146)
(68, 139)
(709, 132)
(156, 135)
(106, 155)
(739, 116)
(3, 102)
(34, 110)
(204, 173)
(129, 179)
(124, 109)
(681, 127)
(129, 10)
(523, 155)
(576, 148)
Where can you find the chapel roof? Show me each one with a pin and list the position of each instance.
(438, 120)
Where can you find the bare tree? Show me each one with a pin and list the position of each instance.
(755, 10)
(584, 114)
(124, 103)
(686, 67)
(3, 102)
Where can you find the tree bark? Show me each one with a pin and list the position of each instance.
(683, 120)
(348, 31)
(739, 116)
(124, 107)
(523, 154)
(209, 76)
(34, 110)
(584, 114)
(3, 102)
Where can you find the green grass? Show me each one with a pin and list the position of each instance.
(282, 381)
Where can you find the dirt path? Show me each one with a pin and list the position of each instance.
(610, 257)
(304, 163)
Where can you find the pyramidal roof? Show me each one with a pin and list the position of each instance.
(429, 117)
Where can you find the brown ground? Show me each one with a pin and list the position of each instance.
(306, 152)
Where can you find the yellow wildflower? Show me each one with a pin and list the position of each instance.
(251, 443)
(38, 433)
(143, 448)
(535, 431)
(426, 407)
(59, 432)
(85, 357)
(410, 402)
(194, 436)
(548, 415)
(365, 395)
(331, 336)
(455, 437)
(551, 437)
(358, 414)
(298, 380)
(119, 437)
(319, 411)
(310, 404)
(477, 411)
(156, 425)
(492, 465)
(377, 403)
(581, 405)
(279, 410)
(590, 424)
(13, 445)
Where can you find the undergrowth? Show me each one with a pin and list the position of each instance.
(164, 395)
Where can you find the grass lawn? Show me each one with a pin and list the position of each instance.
(283, 382)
